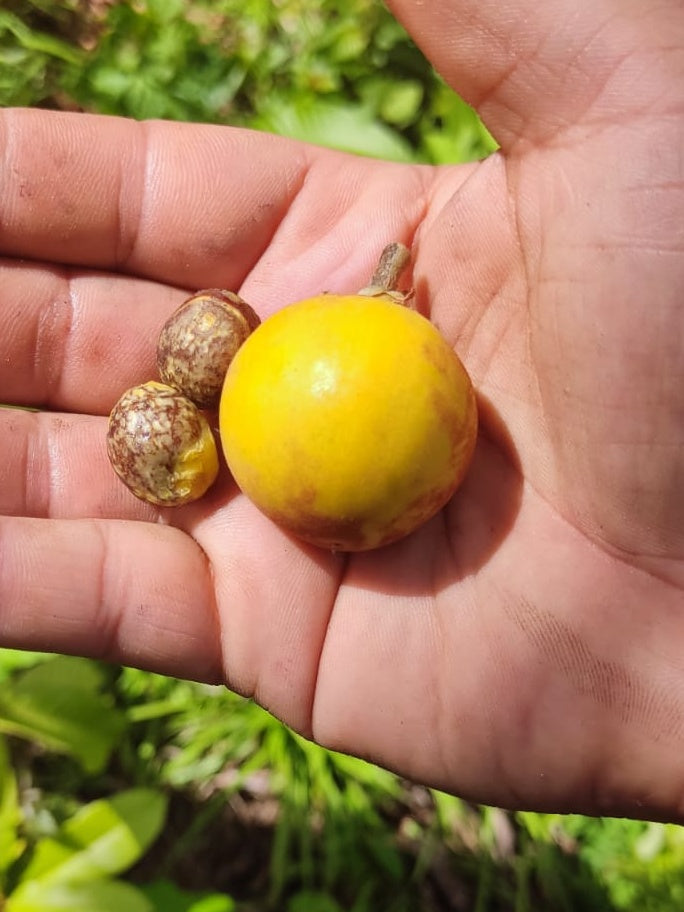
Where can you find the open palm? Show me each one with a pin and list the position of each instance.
(523, 648)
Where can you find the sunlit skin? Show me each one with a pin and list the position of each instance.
(525, 647)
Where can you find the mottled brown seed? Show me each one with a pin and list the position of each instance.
(200, 339)
(161, 446)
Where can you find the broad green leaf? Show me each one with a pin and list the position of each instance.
(59, 704)
(337, 125)
(97, 896)
(10, 814)
(103, 838)
(12, 660)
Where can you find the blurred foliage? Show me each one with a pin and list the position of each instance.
(205, 803)
(59, 705)
(342, 74)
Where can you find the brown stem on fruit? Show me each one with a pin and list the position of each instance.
(393, 260)
(391, 264)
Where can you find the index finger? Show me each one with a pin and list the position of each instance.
(174, 202)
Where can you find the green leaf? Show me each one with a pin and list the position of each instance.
(98, 896)
(10, 814)
(13, 659)
(167, 897)
(396, 101)
(401, 103)
(104, 838)
(110, 81)
(38, 41)
(335, 124)
(452, 131)
(59, 704)
(347, 42)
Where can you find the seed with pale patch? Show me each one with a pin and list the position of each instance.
(161, 446)
(199, 340)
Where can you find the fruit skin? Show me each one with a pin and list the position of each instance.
(348, 420)
(161, 446)
(199, 340)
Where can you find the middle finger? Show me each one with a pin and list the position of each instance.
(74, 341)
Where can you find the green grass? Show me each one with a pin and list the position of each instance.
(229, 809)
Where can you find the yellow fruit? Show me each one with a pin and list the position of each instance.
(348, 420)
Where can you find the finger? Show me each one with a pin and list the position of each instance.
(275, 594)
(196, 205)
(56, 466)
(275, 597)
(145, 595)
(166, 200)
(75, 341)
(131, 592)
(534, 69)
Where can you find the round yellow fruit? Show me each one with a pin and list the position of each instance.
(348, 420)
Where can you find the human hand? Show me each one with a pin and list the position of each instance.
(524, 648)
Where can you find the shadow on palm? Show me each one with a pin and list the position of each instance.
(460, 541)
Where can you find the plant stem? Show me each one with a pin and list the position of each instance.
(391, 264)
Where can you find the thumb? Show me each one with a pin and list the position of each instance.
(534, 69)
